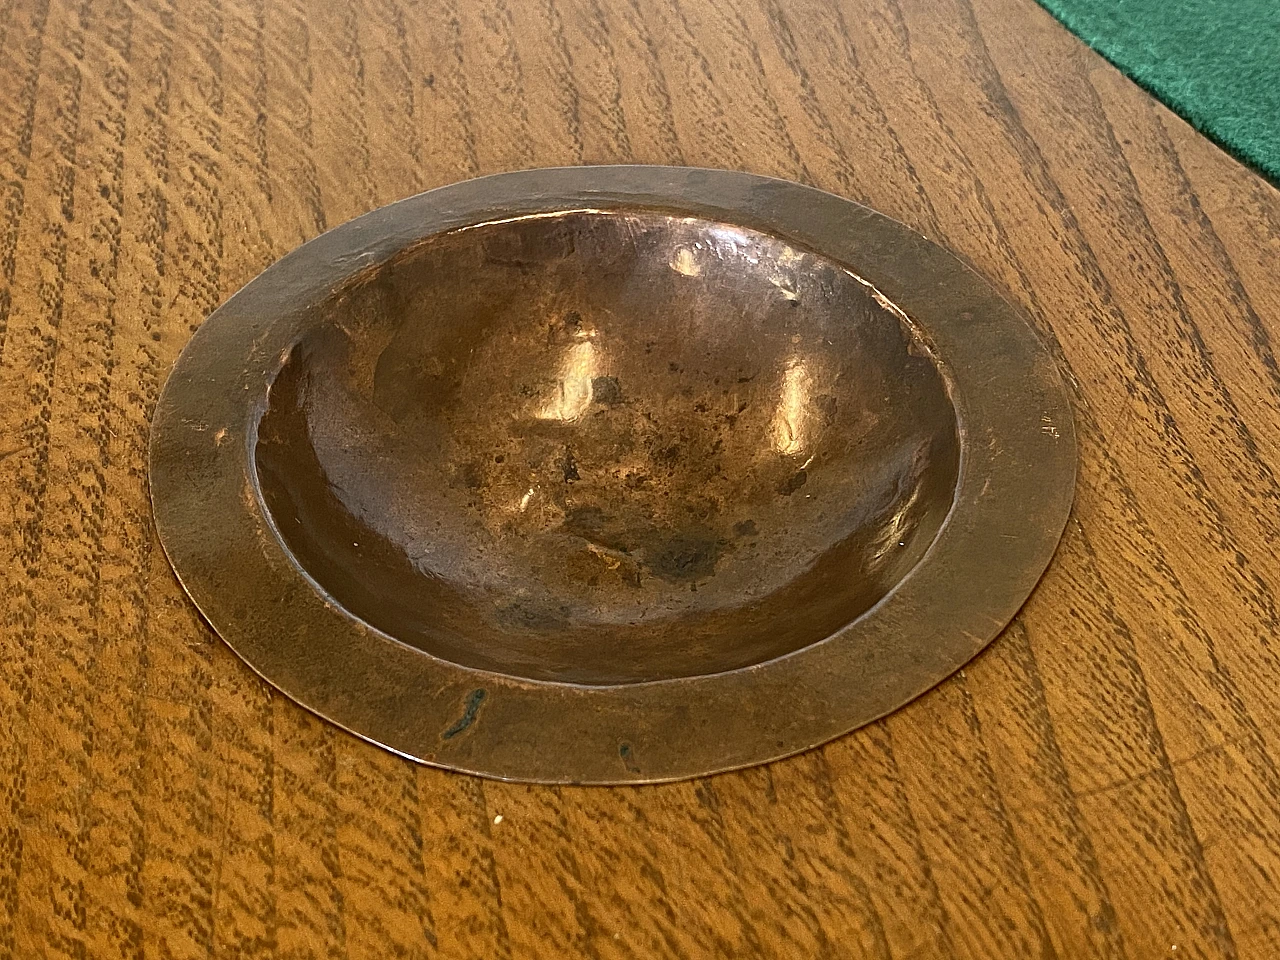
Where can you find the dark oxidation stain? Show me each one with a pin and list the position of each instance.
(593, 524)
(570, 466)
(668, 455)
(827, 406)
(793, 483)
(747, 528)
(468, 715)
(606, 390)
(685, 556)
(471, 475)
(628, 758)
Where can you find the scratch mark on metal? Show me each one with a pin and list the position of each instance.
(468, 715)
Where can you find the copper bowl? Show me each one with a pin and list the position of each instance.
(611, 474)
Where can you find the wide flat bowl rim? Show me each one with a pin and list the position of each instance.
(1013, 497)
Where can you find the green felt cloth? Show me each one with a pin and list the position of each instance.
(1215, 62)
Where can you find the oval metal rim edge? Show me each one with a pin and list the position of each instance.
(1018, 448)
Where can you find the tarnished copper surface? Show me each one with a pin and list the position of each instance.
(611, 474)
(607, 448)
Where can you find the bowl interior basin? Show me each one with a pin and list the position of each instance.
(607, 448)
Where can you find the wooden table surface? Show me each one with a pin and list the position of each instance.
(1101, 783)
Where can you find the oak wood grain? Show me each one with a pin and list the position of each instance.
(1102, 782)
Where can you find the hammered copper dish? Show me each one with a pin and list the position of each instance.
(611, 474)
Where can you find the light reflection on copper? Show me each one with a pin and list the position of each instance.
(898, 527)
(684, 261)
(572, 393)
(791, 418)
